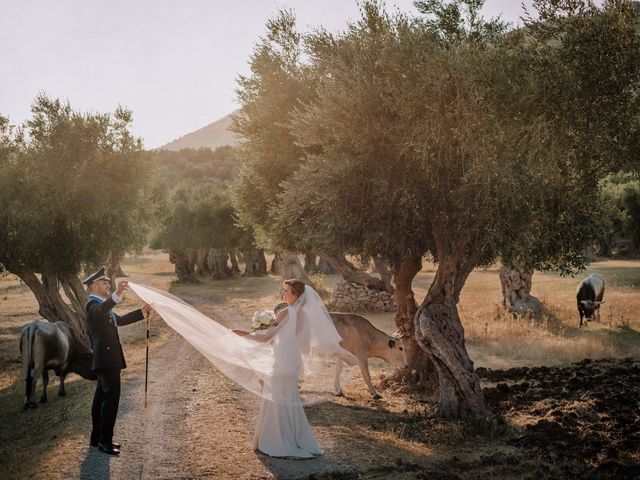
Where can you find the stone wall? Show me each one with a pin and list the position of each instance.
(351, 297)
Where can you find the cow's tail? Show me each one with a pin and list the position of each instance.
(26, 349)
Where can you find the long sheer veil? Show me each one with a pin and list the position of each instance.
(302, 348)
(319, 339)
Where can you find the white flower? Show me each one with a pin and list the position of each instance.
(262, 320)
(255, 321)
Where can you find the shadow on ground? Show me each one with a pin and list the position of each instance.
(96, 465)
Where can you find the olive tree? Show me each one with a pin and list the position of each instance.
(430, 137)
(201, 234)
(429, 133)
(73, 190)
(280, 82)
(586, 62)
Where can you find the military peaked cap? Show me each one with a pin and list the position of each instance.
(99, 275)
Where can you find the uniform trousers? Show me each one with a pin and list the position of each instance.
(104, 409)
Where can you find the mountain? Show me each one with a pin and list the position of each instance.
(214, 135)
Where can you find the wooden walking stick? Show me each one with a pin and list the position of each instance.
(146, 367)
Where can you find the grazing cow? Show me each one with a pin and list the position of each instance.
(589, 297)
(51, 346)
(366, 341)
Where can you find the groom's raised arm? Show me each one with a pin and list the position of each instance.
(129, 318)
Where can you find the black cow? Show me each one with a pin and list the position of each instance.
(51, 346)
(589, 297)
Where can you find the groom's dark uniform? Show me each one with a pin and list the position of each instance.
(108, 360)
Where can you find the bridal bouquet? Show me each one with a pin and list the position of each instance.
(262, 320)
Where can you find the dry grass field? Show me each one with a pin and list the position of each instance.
(557, 420)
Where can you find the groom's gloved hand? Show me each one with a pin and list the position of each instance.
(122, 286)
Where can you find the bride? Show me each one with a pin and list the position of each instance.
(302, 331)
(269, 363)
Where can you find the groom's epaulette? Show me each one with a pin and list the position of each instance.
(91, 300)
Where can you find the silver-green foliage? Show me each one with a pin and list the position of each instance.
(73, 189)
(441, 134)
(201, 218)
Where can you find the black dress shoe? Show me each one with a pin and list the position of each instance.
(108, 449)
(94, 443)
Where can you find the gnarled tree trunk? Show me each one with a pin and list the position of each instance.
(255, 263)
(516, 291)
(235, 268)
(440, 333)
(192, 255)
(605, 245)
(324, 267)
(184, 266)
(386, 275)
(275, 263)
(289, 266)
(310, 265)
(419, 370)
(354, 275)
(202, 262)
(218, 263)
(51, 304)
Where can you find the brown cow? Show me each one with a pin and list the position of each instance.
(365, 341)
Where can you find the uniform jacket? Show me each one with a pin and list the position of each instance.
(107, 350)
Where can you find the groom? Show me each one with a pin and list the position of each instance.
(108, 358)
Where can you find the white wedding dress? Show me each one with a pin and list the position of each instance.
(282, 429)
(269, 363)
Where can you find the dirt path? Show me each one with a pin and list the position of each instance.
(197, 425)
(152, 438)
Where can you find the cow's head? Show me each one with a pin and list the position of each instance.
(81, 357)
(81, 363)
(589, 307)
(397, 357)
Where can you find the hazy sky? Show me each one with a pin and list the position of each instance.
(174, 63)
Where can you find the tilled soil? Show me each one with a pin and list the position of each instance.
(585, 417)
